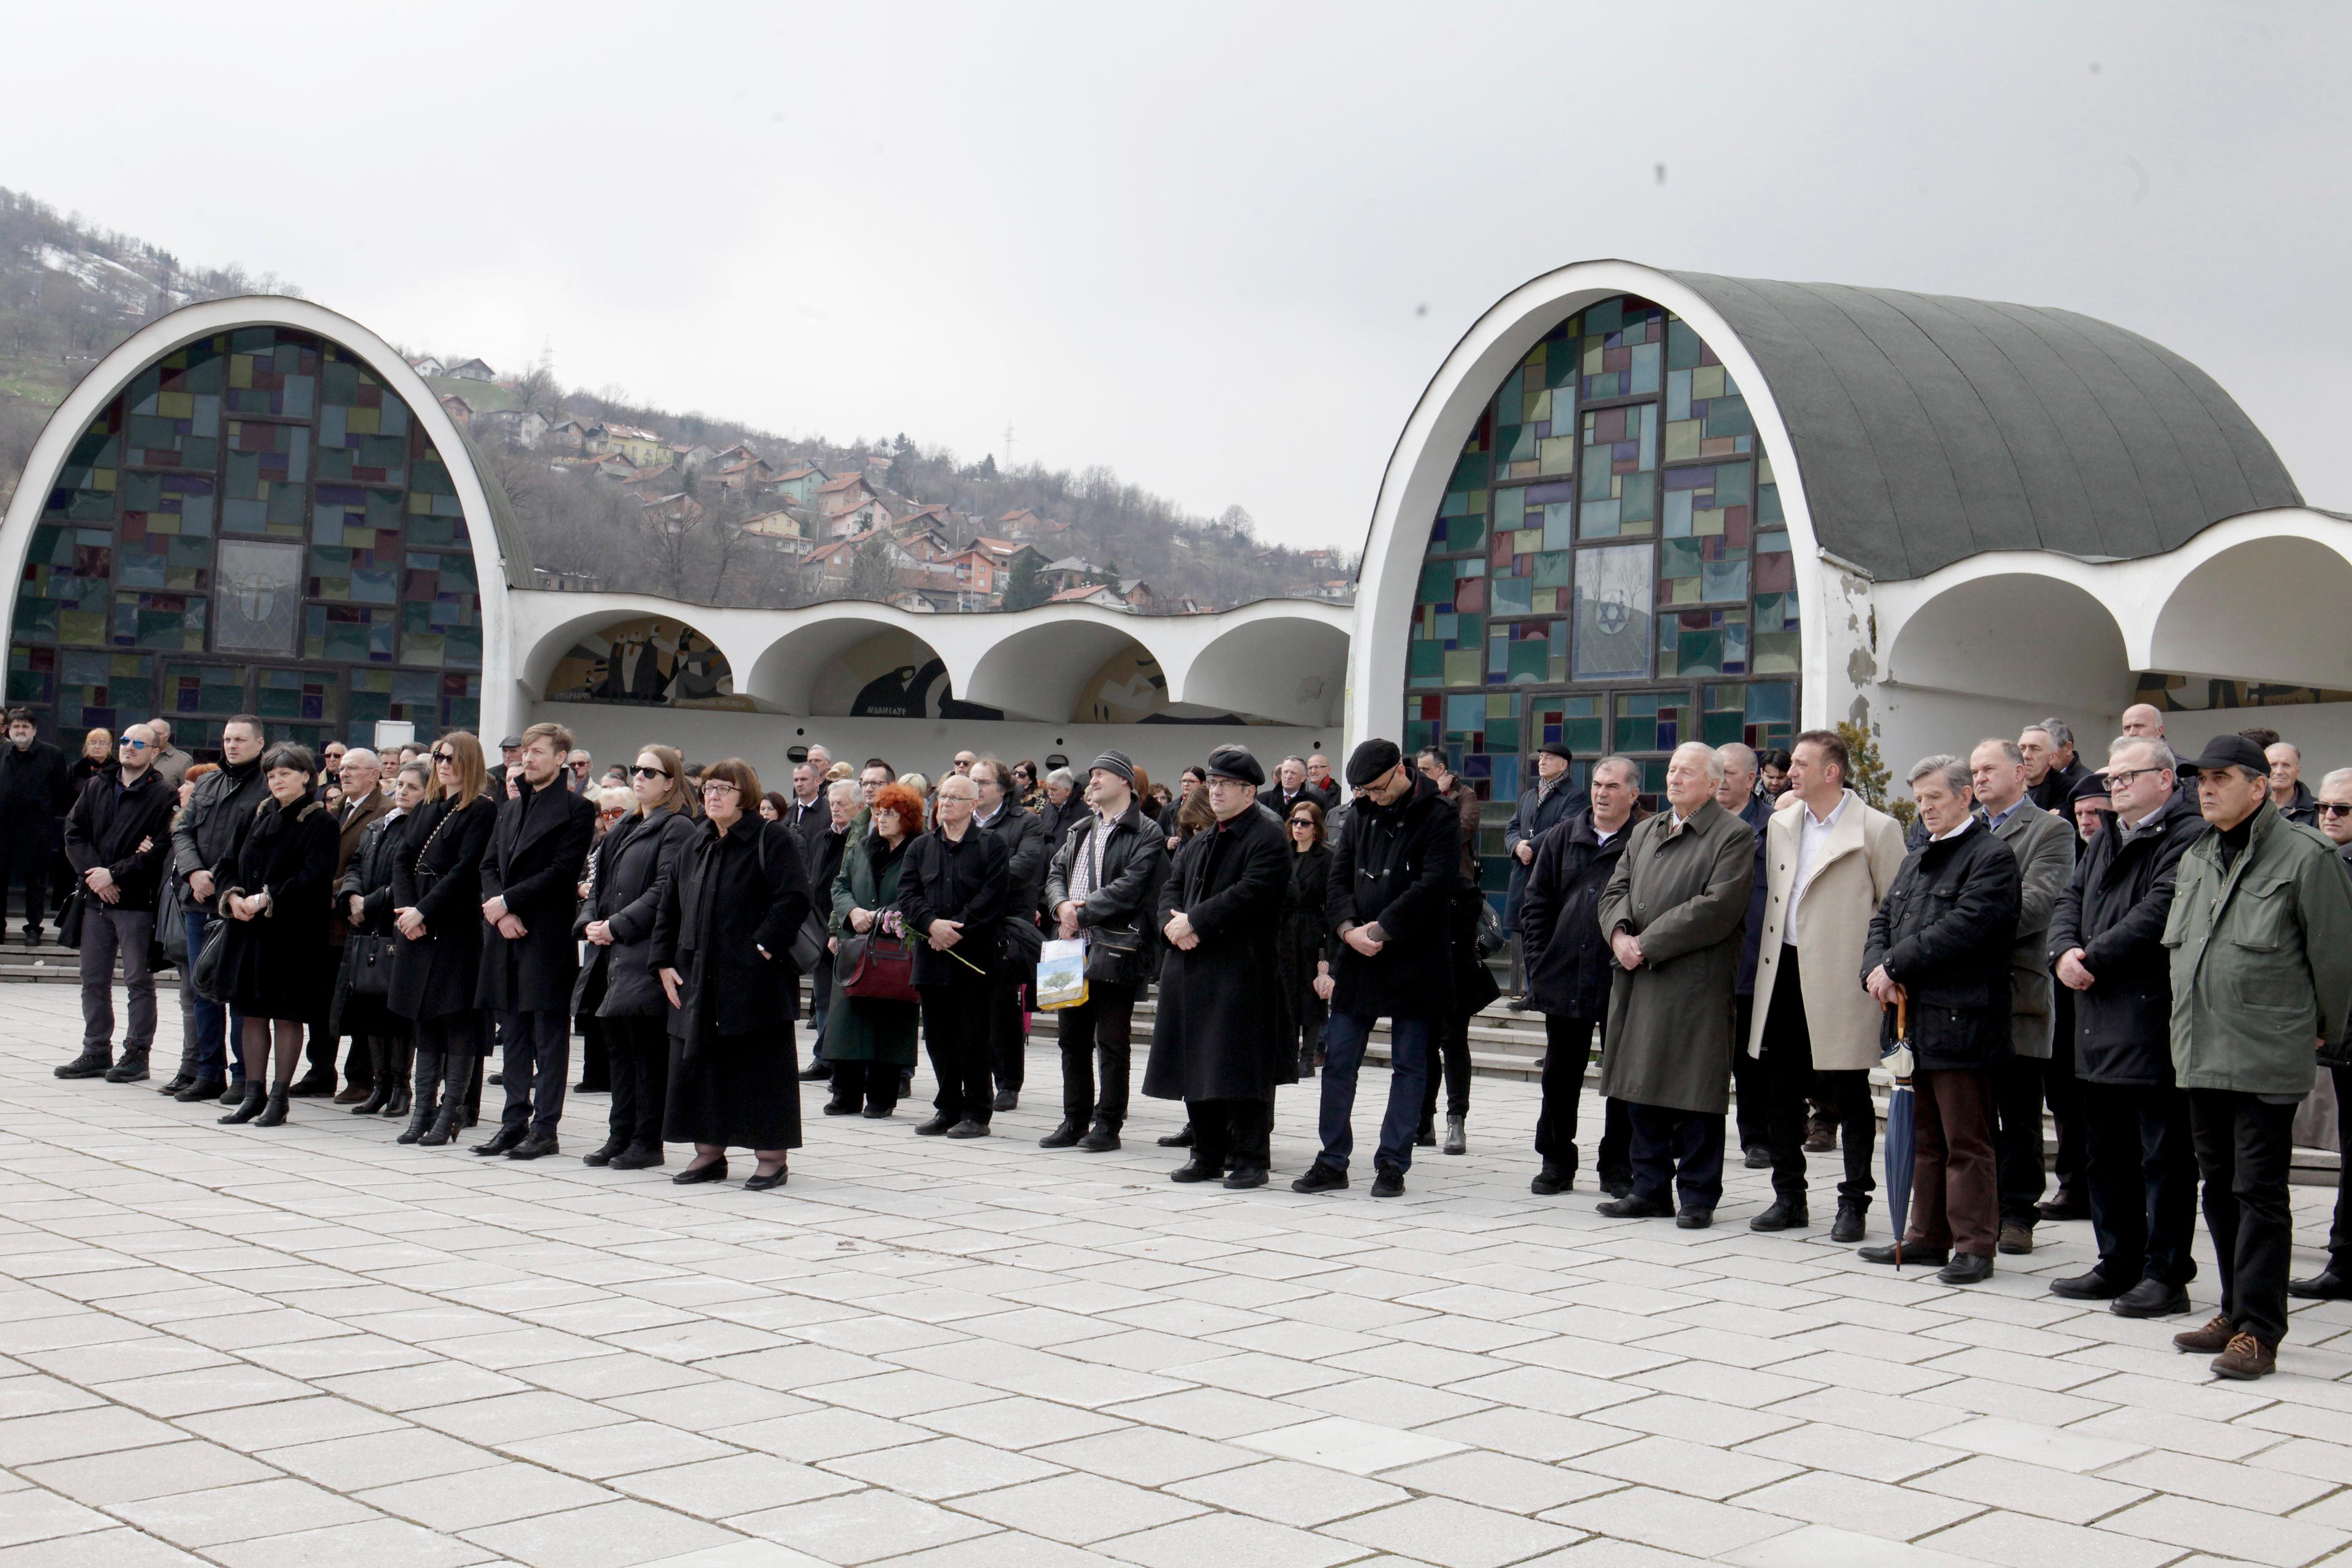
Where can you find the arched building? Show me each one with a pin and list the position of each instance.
(256, 505)
(1636, 507)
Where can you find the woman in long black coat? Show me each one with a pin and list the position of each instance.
(722, 949)
(276, 967)
(638, 856)
(364, 902)
(437, 905)
(1303, 950)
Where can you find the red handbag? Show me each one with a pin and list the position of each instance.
(876, 967)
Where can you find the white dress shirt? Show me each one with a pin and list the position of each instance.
(1812, 837)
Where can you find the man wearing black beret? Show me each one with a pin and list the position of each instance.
(1393, 873)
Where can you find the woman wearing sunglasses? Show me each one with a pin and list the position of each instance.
(636, 856)
(436, 897)
(1303, 950)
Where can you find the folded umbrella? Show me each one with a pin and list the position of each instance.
(1902, 1134)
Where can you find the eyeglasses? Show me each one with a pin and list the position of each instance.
(2125, 776)
(712, 787)
(650, 773)
(133, 745)
(2336, 808)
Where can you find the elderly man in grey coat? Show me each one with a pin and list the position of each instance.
(1672, 914)
(2044, 846)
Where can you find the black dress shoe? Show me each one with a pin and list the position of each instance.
(1786, 1213)
(591, 1085)
(695, 1175)
(1061, 1137)
(638, 1157)
(1630, 1207)
(1388, 1182)
(2150, 1298)
(969, 1128)
(837, 1106)
(2092, 1287)
(2324, 1286)
(1320, 1178)
(1694, 1219)
(1241, 1178)
(232, 1090)
(938, 1126)
(756, 1183)
(1006, 1099)
(1100, 1137)
(876, 1112)
(1198, 1170)
(1552, 1180)
(1758, 1157)
(537, 1146)
(1179, 1138)
(504, 1139)
(1617, 1186)
(374, 1101)
(313, 1084)
(203, 1088)
(2063, 1205)
(1850, 1223)
(1425, 1135)
(1965, 1268)
(816, 1072)
(178, 1081)
(1916, 1257)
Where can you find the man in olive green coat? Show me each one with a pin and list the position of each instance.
(1672, 914)
(2260, 942)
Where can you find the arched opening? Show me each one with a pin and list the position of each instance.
(855, 666)
(2020, 636)
(1065, 669)
(1283, 667)
(644, 662)
(2247, 614)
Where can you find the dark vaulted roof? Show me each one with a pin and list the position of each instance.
(1930, 429)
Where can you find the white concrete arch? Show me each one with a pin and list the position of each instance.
(2245, 609)
(1424, 455)
(549, 625)
(177, 330)
(787, 672)
(1039, 669)
(1288, 668)
(2016, 623)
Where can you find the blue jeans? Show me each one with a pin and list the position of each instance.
(213, 1056)
(537, 1060)
(1343, 1053)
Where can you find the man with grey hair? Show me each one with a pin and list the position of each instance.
(1937, 959)
(2287, 792)
(1736, 795)
(2143, 721)
(2052, 771)
(1672, 912)
(2334, 1283)
(1062, 809)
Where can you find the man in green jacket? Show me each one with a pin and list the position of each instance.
(2260, 942)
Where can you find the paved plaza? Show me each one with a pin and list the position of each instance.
(312, 1346)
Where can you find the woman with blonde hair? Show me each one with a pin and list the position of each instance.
(638, 856)
(437, 899)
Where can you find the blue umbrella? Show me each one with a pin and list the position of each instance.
(1902, 1134)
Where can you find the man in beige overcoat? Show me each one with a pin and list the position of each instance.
(1671, 914)
(1829, 861)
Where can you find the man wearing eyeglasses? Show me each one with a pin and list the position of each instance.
(116, 844)
(2106, 945)
(2334, 1283)
(530, 887)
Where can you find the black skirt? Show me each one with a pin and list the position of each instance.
(739, 1091)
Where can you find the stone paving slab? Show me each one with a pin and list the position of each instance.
(247, 1348)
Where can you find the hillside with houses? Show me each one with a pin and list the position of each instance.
(612, 494)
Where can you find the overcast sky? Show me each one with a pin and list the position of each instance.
(1220, 249)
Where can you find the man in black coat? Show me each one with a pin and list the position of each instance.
(531, 882)
(1321, 784)
(2052, 768)
(36, 789)
(1940, 945)
(1217, 1042)
(208, 833)
(1549, 801)
(1570, 968)
(1104, 885)
(2106, 944)
(952, 895)
(1738, 795)
(1394, 875)
(116, 841)
(2333, 807)
(1026, 851)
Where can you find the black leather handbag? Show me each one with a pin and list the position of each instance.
(205, 974)
(369, 958)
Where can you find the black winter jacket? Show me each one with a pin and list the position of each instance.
(1128, 863)
(727, 913)
(966, 881)
(106, 826)
(536, 855)
(220, 812)
(1569, 964)
(1398, 866)
(1944, 933)
(638, 855)
(2114, 909)
(36, 788)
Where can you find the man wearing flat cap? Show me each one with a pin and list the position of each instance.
(2260, 941)
(1104, 887)
(1217, 1042)
(1551, 800)
(1393, 874)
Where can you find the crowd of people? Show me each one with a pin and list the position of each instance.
(2158, 951)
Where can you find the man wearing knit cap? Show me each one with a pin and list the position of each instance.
(1393, 873)
(1104, 885)
(1217, 1043)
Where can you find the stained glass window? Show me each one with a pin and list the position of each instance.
(261, 492)
(1611, 525)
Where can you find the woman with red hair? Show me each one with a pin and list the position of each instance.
(869, 1041)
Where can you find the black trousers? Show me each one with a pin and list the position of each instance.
(1790, 1080)
(1684, 1147)
(2018, 1175)
(1451, 1036)
(1568, 1051)
(637, 1051)
(26, 857)
(2062, 1092)
(865, 1083)
(595, 1053)
(1750, 1097)
(359, 1062)
(1104, 1025)
(1008, 1037)
(1238, 1129)
(955, 1033)
(536, 1062)
(2340, 1233)
(2142, 1177)
(2243, 1148)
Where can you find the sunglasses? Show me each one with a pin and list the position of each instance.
(2331, 808)
(1302, 822)
(444, 756)
(650, 773)
(133, 745)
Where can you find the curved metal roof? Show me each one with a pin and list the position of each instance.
(1931, 428)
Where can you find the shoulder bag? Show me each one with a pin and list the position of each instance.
(369, 955)
(876, 967)
(206, 974)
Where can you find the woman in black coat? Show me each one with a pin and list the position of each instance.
(277, 966)
(722, 947)
(437, 906)
(364, 902)
(1304, 948)
(634, 863)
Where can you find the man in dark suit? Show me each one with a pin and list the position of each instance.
(808, 816)
(1289, 787)
(1026, 851)
(530, 887)
(358, 772)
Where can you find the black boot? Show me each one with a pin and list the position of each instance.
(401, 1056)
(273, 1114)
(248, 1108)
(93, 1062)
(428, 1085)
(444, 1126)
(132, 1069)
